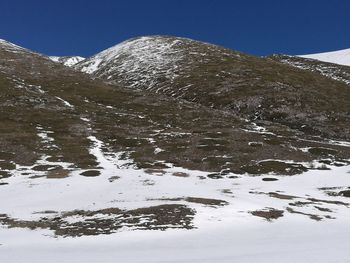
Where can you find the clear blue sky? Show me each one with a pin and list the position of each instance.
(260, 27)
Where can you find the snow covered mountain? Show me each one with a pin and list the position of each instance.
(68, 61)
(217, 78)
(341, 57)
(170, 135)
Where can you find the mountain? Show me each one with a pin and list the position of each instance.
(34, 85)
(37, 92)
(163, 133)
(251, 87)
(341, 57)
(68, 61)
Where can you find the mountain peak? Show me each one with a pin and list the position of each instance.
(156, 51)
(146, 60)
(68, 61)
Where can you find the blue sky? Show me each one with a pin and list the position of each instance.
(260, 27)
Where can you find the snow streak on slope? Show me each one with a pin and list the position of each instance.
(341, 57)
(67, 61)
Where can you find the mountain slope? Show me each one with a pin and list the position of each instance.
(330, 70)
(341, 57)
(54, 96)
(219, 78)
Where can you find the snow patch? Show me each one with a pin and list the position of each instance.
(341, 57)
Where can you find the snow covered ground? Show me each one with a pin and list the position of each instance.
(225, 234)
(285, 241)
(312, 224)
(341, 57)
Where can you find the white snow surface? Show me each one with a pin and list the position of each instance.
(226, 242)
(67, 61)
(224, 234)
(341, 57)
